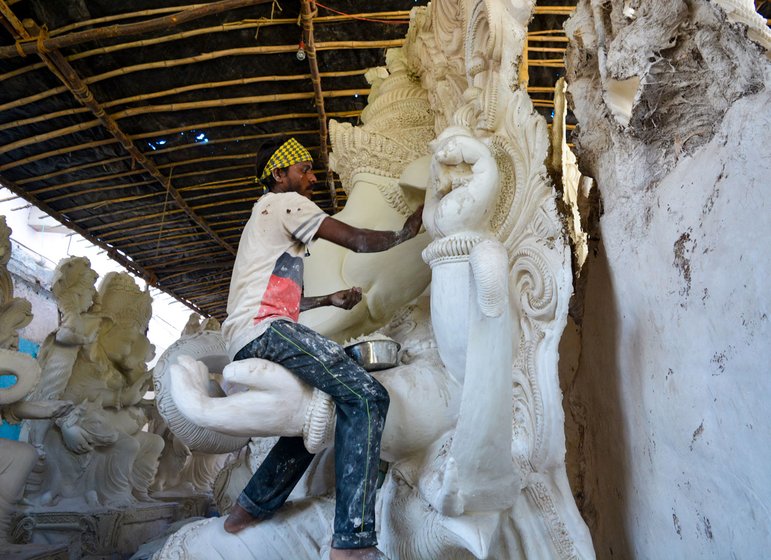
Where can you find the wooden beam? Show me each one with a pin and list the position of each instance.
(186, 106)
(307, 13)
(165, 132)
(147, 274)
(227, 26)
(230, 101)
(29, 46)
(243, 51)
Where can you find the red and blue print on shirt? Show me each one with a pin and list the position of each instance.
(284, 290)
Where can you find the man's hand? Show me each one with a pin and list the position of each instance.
(345, 299)
(361, 240)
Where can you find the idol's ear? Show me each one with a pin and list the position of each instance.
(415, 175)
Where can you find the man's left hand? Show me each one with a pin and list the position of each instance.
(345, 299)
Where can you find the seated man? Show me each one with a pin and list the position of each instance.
(264, 303)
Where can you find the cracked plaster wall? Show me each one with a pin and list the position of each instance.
(666, 379)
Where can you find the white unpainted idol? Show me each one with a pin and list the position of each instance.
(475, 438)
(669, 398)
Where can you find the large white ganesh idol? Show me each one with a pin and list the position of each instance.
(372, 161)
(474, 435)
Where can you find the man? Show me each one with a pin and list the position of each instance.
(264, 303)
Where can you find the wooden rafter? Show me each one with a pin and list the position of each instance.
(143, 272)
(30, 45)
(307, 12)
(168, 131)
(171, 107)
(138, 110)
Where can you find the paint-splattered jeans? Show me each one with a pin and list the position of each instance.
(362, 404)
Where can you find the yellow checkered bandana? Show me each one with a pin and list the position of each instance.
(289, 153)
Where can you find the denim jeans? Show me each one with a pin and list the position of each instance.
(361, 406)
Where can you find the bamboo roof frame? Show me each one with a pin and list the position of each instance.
(128, 181)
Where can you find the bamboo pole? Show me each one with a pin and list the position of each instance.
(110, 201)
(243, 51)
(217, 185)
(133, 219)
(165, 132)
(166, 261)
(240, 122)
(39, 138)
(208, 296)
(147, 274)
(235, 26)
(204, 265)
(225, 203)
(160, 204)
(307, 13)
(546, 39)
(27, 47)
(165, 238)
(44, 190)
(45, 117)
(232, 139)
(256, 23)
(23, 70)
(523, 71)
(127, 185)
(228, 102)
(58, 152)
(230, 213)
(170, 250)
(117, 187)
(547, 62)
(173, 221)
(173, 107)
(547, 49)
(205, 291)
(31, 98)
(73, 169)
(193, 87)
(134, 236)
(248, 188)
(554, 10)
(225, 27)
(229, 83)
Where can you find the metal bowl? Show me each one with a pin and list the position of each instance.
(374, 355)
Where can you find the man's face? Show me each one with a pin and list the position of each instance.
(300, 178)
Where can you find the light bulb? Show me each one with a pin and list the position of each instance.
(300, 54)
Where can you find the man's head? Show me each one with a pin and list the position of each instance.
(285, 166)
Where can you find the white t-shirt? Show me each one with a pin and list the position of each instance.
(267, 276)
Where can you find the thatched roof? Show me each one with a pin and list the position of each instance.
(136, 122)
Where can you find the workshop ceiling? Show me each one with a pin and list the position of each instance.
(136, 122)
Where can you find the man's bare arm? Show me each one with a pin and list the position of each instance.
(361, 240)
(344, 299)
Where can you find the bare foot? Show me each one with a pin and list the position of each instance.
(370, 553)
(239, 519)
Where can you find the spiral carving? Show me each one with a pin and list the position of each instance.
(532, 279)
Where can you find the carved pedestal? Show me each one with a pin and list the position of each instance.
(100, 534)
(34, 552)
